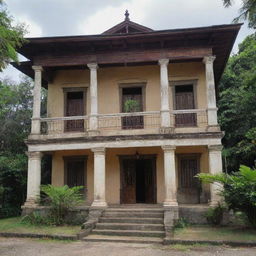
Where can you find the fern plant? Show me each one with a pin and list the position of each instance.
(61, 200)
(239, 190)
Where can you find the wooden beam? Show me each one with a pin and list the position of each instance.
(132, 56)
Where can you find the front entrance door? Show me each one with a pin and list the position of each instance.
(138, 180)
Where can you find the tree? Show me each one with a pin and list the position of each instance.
(237, 108)
(239, 190)
(247, 11)
(11, 37)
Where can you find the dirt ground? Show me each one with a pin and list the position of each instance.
(33, 247)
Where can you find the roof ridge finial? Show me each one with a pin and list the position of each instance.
(127, 15)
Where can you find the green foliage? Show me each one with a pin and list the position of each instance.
(239, 190)
(214, 215)
(131, 106)
(181, 223)
(15, 114)
(11, 37)
(61, 200)
(237, 108)
(246, 12)
(34, 219)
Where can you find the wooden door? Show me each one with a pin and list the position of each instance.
(185, 100)
(150, 181)
(133, 122)
(189, 188)
(74, 107)
(128, 181)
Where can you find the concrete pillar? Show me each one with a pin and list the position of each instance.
(170, 176)
(164, 83)
(99, 178)
(35, 126)
(93, 121)
(210, 90)
(215, 167)
(34, 178)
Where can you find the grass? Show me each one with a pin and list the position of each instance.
(237, 234)
(14, 225)
(186, 247)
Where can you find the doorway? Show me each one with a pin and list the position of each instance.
(138, 180)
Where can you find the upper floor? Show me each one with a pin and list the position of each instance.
(130, 80)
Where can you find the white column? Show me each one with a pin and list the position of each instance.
(34, 178)
(215, 167)
(164, 83)
(210, 89)
(35, 126)
(93, 121)
(99, 178)
(170, 176)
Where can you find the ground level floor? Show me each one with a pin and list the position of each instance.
(31, 247)
(129, 172)
(135, 175)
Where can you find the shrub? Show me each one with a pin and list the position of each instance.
(61, 200)
(214, 215)
(131, 106)
(181, 223)
(239, 190)
(34, 219)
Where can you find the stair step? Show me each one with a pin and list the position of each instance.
(135, 233)
(131, 220)
(137, 214)
(123, 239)
(159, 210)
(129, 226)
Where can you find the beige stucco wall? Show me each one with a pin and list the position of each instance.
(113, 169)
(110, 78)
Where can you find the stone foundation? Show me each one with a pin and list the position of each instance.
(79, 215)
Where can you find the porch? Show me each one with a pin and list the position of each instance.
(160, 174)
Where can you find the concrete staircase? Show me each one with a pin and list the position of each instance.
(129, 225)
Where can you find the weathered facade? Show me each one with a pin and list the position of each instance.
(131, 113)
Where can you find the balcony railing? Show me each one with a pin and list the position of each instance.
(189, 118)
(193, 120)
(60, 125)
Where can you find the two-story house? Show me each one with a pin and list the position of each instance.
(131, 113)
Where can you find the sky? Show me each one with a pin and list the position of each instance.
(84, 17)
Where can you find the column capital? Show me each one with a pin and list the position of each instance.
(98, 150)
(215, 147)
(168, 148)
(34, 154)
(163, 62)
(209, 59)
(92, 66)
(37, 68)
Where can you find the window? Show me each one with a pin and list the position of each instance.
(75, 171)
(184, 98)
(74, 105)
(132, 101)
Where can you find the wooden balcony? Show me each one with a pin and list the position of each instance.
(138, 123)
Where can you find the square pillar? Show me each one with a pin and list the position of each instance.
(210, 90)
(215, 167)
(164, 85)
(93, 119)
(34, 178)
(170, 176)
(35, 126)
(99, 178)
